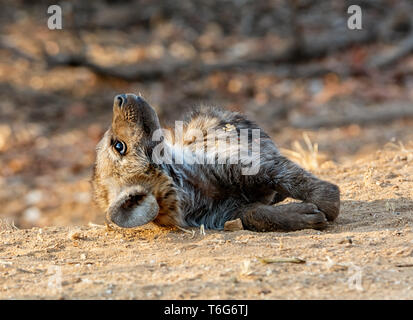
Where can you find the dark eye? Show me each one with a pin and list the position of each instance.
(119, 147)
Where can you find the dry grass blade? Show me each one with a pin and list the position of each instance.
(191, 232)
(94, 225)
(308, 156)
(281, 260)
(398, 147)
(310, 146)
(7, 224)
(245, 268)
(202, 230)
(109, 227)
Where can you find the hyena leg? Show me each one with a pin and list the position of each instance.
(278, 197)
(290, 180)
(288, 217)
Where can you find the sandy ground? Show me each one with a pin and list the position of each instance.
(366, 254)
(51, 119)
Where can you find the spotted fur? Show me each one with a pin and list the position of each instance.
(191, 194)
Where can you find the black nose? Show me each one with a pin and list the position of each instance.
(120, 100)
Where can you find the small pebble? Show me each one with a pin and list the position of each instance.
(233, 225)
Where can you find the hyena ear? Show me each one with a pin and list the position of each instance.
(136, 111)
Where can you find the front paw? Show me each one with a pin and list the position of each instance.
(327, 198)
(307, 216)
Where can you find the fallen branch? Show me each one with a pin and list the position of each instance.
(281, 260)
(9, 46)
(313, 70)
(304, 51)
(402, 50)
(127, 73)
(407, 265)
(363, 117)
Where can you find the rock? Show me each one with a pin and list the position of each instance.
(32, 214)
(75, 235)
(233, 225)
(34, 197)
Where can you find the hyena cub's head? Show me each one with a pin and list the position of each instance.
(125, 180)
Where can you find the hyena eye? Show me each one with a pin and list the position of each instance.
(119, 147)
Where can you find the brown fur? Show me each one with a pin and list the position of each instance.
(209, 194)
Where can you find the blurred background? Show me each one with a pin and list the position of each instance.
(323, 92)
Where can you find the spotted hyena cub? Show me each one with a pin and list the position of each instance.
(185, 177)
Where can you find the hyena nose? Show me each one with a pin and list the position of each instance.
(120, 100)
